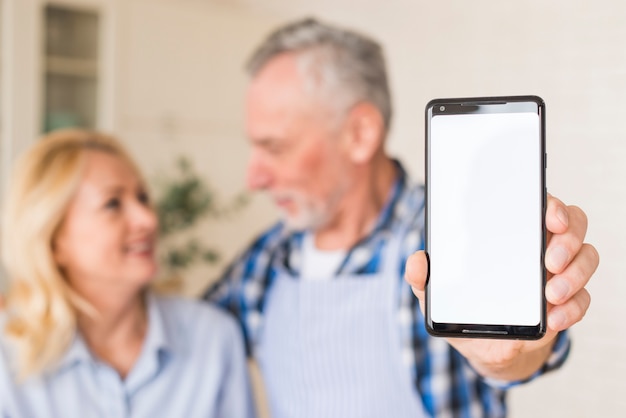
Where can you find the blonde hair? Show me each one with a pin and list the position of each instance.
(41, 306)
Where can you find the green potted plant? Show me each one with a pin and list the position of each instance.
(183, 201)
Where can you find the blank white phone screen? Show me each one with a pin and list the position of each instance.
(485, 218)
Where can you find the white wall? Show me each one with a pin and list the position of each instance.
(180, 92)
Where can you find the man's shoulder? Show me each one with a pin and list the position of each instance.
(410, 206)
(250, 265)
(414, 192)
(263, 245)
(270, 237)
(409, 215)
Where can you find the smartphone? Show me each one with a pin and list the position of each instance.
(485, 234)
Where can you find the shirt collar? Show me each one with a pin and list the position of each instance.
(158, 347)
(160, 342)
(77, 353)
(388, 213)
(159, 337)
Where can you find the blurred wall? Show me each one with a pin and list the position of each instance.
(178, 87)
(180, 92)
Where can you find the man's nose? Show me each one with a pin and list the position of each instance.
(259, 175)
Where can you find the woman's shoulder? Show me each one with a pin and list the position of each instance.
(7, 345)
(185, 308)
(8, 359)
(196, 319)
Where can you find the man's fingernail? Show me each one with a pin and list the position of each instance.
(557, 289)
(556, 257)
(557, 320)
(562, 215)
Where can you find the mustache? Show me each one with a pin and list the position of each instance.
(288, 195)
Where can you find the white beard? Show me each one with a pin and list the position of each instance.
(311, 214)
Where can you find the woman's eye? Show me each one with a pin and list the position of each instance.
(144, 198)
(113, 203)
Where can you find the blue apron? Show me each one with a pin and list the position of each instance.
(332, 348)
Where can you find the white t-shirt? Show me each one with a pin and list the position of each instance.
(319, 264)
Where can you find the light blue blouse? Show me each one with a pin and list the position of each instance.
(192, 364)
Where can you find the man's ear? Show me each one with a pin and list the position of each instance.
(364, 132)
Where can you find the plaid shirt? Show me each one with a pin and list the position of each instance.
(444, 380)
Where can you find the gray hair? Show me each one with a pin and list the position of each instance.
(345, 65)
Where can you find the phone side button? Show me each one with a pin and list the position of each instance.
(545, 160)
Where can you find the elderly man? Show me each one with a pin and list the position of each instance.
(321, 298)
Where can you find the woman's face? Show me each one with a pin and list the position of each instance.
(107, 237)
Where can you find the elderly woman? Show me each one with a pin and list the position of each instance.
(82, 334)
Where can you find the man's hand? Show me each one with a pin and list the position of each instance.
(569, 263)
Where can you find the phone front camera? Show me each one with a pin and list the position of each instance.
(442, 108)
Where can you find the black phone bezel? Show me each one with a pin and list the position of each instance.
(470, 105)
